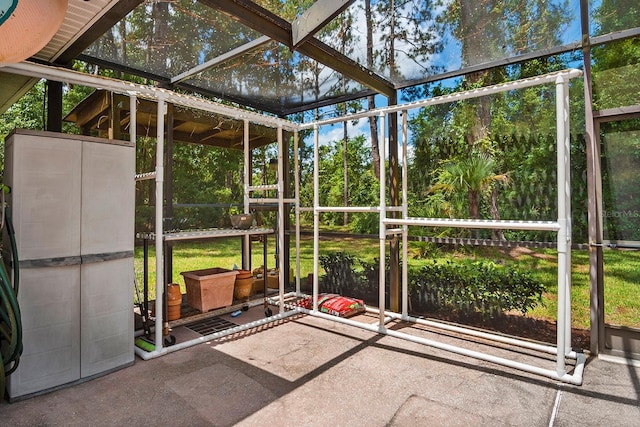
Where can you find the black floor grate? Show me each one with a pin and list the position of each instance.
(211, 325)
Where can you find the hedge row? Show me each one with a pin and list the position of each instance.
(481, 287)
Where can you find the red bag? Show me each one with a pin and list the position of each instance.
(336, 305)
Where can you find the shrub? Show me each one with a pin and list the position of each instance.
(466, 288)
(346, 275)
(482, 287)
(339, 274)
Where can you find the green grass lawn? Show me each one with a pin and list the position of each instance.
(622, 270)
(226, 253)
(621, 287)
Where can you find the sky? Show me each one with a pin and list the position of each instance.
(334, 134)
(449, 58)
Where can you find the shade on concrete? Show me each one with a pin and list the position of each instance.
(306, 371)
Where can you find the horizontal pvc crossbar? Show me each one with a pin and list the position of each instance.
(622, 244)
(354, 208)
(476, 333)
(393, 231)
(444, 99)
(154, 93)
(262, 187)
(476, 223)
(467, 241)
(143, 91)
(263, 201)
(575, 379)
(348, 209)
(145, 176)
(144, 355)
(531, 345)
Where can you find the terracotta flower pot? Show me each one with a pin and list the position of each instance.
(174, 301)
(243, 274)
(242, 288)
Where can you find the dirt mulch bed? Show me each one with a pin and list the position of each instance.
(517, 326)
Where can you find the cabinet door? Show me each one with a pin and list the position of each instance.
(44, 174)
(106, 316)
(107, 229)
(108, 198)
(49, 300)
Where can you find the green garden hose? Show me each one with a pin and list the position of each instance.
(10, 320)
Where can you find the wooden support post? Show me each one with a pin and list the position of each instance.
(54, 106)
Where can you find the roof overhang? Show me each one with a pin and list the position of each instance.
(83, 23)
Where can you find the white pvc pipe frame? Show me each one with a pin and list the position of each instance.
(562, 226)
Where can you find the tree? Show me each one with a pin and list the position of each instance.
(486, 31)
(489, 30)
(471, 177)
(371, 100)
(400, 34)
(362, 186)
(346, 36)
(615, 64)
(29, 112)
(26, 113)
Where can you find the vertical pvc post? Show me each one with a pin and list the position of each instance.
(281, 222)
(405, 215)
(382, 235)
(567, 197)
(296, 177)
(316, 213)
(133, 118)
(563, 231)
(246, 242)
(159, 226)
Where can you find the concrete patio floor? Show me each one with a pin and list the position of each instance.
(306, 371)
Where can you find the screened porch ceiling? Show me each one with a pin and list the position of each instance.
(286, 57)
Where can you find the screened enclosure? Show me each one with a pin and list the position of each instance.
(243, 51)
(312, 60)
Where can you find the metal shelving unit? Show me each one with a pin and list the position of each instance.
(169, 238)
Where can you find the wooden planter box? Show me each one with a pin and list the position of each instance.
(209, 288)
(273, 280)
(258, 284)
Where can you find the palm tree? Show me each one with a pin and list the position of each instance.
(472, 177)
